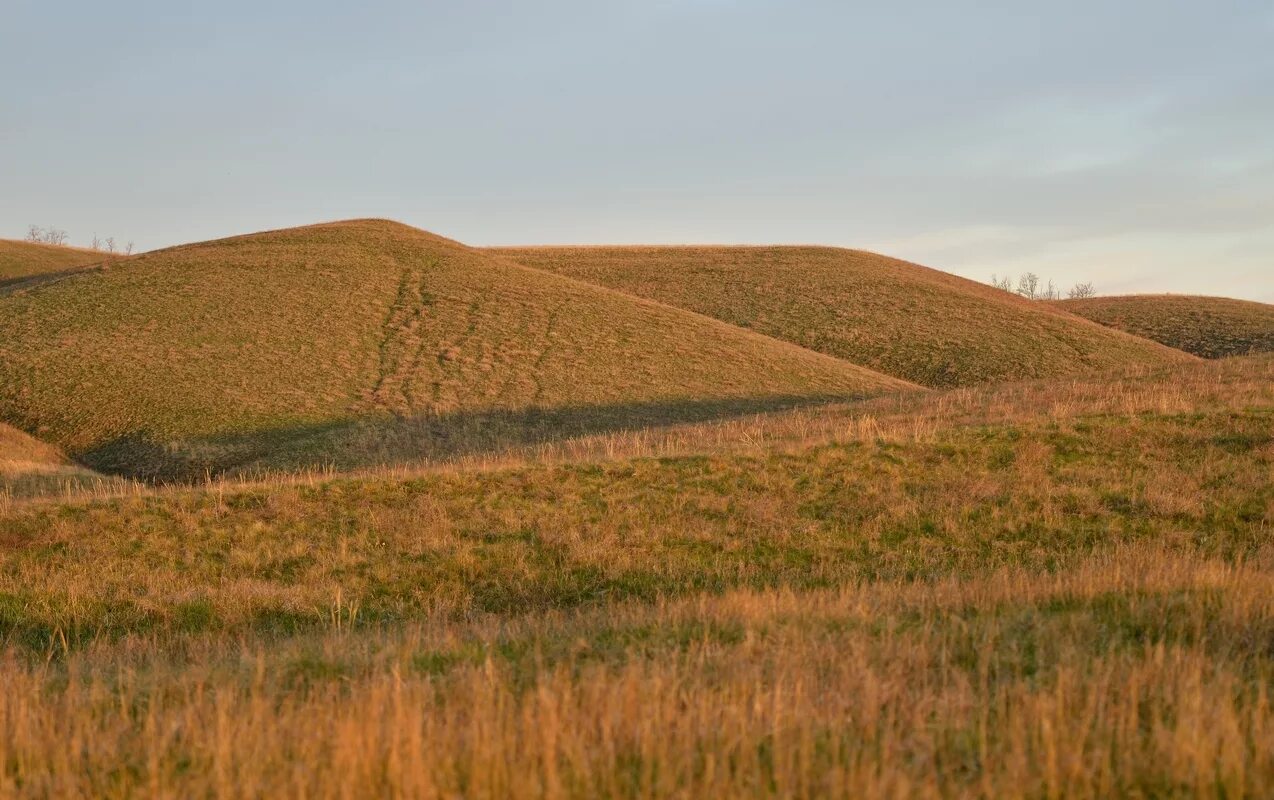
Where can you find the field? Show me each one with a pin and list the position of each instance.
(22, 260)
(1041, 589)
(353, 510)
(901, 319)
(1209, 327)
(360, 343)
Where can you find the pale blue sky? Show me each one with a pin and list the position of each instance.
(1128, 143)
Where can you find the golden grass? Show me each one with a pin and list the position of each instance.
(1136, 671)
(19, 260)
(1041, 590)
(304, 347)
(1210, 327)
(902, 319)
(31, 468)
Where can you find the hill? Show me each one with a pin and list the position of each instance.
(1048, 590)
(1209, 327)
(902, 319)
(19, 260)
(30, 468)
(365, 342)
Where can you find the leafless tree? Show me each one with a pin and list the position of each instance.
(110, 244)
(34, 233)
(1081, 290)
(128, 249)
(97, 243)
(1005, 283)
(1028, 285)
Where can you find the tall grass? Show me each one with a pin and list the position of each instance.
(1138, 671)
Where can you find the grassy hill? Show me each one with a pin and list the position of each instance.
(899, 318)
(365, 342)
(26, 259)
(1210, 327)
(1055, 589)
(31, 468)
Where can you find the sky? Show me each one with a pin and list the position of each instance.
(1130, 143)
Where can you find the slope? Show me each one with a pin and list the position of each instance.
(29, 468)
(365, 342)
(899, 318)
(1210, 327)
(19, 260)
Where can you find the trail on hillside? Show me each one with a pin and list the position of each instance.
(402, 343)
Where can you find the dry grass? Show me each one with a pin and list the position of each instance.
(899, 318)
(31, 468)
(1040, 590)
(1210, 327)
(302, 347)
(1136, 671)
(20, 260)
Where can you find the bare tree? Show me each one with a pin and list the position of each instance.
(97, 243)
(1081, 290)
(1028, 285)
(1005, 283)
(128, 249)
(35, 233)
(110, 244)
(1051, 292)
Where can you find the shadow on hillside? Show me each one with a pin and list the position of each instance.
(388, 441)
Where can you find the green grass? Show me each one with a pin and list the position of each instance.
(364, 342)
(902, 319)
(19, 260)
(1209, 327)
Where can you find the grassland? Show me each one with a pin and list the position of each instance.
(1044, 589)
(365, 342)
(31, 468)
(1209, 327)
(901, 319)
(21, 260)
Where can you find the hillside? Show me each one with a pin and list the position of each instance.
(1209, 327)
(365, 342)
(29, 468)
(27, 259)
(902, 319)
(1052, 590)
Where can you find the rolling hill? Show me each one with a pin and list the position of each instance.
(899, 318)
(19, 260)
(29, 467)
(365, 342)
(1209, 327)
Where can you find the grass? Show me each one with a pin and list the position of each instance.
(901, 319)
(1137, 671)
(21, 260)
(364, 342)
(1044, 589)
(1209, 327)
(31, 468)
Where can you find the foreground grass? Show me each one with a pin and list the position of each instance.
(1023, 591)
(1210, 327)
(1135, 671)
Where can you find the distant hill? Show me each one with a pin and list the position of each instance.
(1210, 327)
(899, 318)
(365, 342)
(26, 259)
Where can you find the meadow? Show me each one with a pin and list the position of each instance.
(1036, 589)
(354, 510)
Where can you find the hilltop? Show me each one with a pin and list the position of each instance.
(899, 318)
(365, 342)
(20, 260)
(1209, 327)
